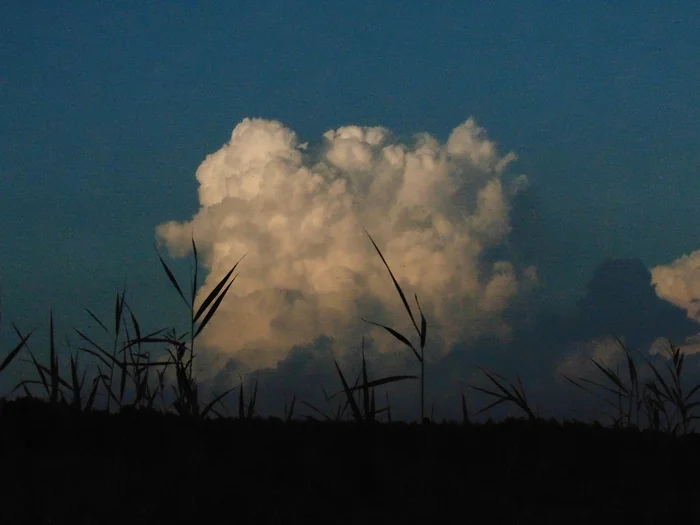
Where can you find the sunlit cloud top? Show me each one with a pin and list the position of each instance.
(300, 212)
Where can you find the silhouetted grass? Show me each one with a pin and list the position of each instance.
(372, 465)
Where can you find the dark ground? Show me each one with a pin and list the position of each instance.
(61, 466)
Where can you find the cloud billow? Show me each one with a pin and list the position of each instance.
(299, 213)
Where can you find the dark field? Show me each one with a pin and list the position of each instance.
(65, 466)
(65, 462)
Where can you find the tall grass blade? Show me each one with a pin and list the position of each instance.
(118, 309)
(288, 415)
(241, 403)
(388, 405)
(376, 382)
(465, 412)
(398, 336)
(396, 284)
(213, 402)
(365, 388)
(315, 409)
(357, 415)
(253, 397)
(42, 376)
(213, 309)
(96, 319)
(215, 292)
(75, 382)
(423, 324)
(172, 278)
(53, 361)
(14, 352)
(194, 273)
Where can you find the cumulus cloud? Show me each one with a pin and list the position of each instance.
(299, 213)
(679, 283)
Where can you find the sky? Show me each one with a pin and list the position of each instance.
(528, 169)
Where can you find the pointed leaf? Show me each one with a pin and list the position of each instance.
(291, 408)
(14, 352)
(218, 398)
(397, 335)
(213, 309)
(194, 276)
(96, 319)
(351, 399)
(423, 325)
(215, 292)
(396, 284)
(172, 278)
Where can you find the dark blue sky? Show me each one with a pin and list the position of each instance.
(107, 109)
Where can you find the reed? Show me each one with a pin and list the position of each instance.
(663, 402)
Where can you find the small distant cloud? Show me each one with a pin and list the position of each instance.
(679, 283)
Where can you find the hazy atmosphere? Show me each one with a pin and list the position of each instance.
(528, 169)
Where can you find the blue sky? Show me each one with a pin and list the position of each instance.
(108, 109)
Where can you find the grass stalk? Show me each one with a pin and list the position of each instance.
(422, 331)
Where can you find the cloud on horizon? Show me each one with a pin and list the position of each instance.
(299, 213)
(441, 214)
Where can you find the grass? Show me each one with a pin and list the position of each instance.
(389, 466)
(661, 402)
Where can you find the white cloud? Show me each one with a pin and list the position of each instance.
(433, 210)
(679, 283)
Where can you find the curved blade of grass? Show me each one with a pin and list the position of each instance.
(516, 397)
(14, 352)
(122, 382)
(377, 382)
(611, 375)
(500, 387)
(396, 284)
(465, 412)
(194, 273)
(93, 343)
(602, 386)
(318, 411)
(213, 309)
(172, 278)
(253, 397)
(397, 335)
(75, 381)
(365, 388)
(53, 361)
(24, 382)
(215, 292)
(495, 403)
(661, 380)
(96, 319)
(423, 324)
(118, 309)
(135, 323)
(573, 382)
(38, 367)
(288, 416)
(214, 401)
(357, 415)
(43, 370)
(687, 397)
(241, 403)
(388, 405)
